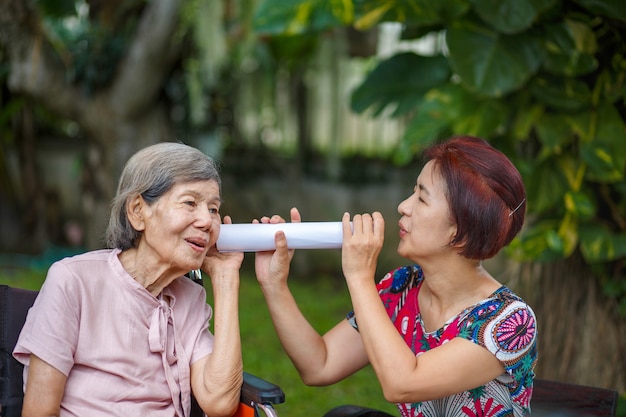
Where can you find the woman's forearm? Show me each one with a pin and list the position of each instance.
(389, 356)
(223, 371)
(302, 343)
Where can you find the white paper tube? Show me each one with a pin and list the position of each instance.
(254, 237)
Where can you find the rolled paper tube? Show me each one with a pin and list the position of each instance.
(254, 237)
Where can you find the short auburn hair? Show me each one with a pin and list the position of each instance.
(485, 192)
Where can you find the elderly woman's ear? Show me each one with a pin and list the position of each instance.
(135, 212)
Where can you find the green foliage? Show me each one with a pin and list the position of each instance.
(290, 17)
(498, 63)
(397, 80)
(89, 46)
(545, 81)
(57, 8)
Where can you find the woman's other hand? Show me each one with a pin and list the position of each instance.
(272, 267)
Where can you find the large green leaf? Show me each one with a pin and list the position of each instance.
(559, 93)
(580, 205)
(429, 124)
(399, 81)
(420, 134)
(568, 234)
(448, 110)
(370, 13)
(537, 243)
(554, 132)
(433, 119)
(614, 9)
(482, 117)
(546, 240)
(598, 244)
(605, 154)
(545, 187)
(572, 169)
(525, 122)
(491, 63)
(580, 123)
(571, 46)
(414, 12)
(507, 16)
(293, 17)
(603, 163)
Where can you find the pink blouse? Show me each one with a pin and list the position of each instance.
(124, 352)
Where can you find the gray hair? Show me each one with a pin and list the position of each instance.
(152, 172)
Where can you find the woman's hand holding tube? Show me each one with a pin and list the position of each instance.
(362, 243)
(222, 265)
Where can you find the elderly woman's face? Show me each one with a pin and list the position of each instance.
(181, 226)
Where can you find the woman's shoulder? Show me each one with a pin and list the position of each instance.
(500, 303)
(93, 274)
(504, 323)
(101, 255)
(85, 266)
(511, 302)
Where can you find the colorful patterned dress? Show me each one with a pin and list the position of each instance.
(502, 323)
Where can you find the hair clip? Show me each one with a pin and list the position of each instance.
(516, 208)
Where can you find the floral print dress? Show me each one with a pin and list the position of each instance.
(503, 323)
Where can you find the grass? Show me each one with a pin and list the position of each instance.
(324, 303)
(27, 278)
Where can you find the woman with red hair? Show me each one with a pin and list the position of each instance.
(443, 336)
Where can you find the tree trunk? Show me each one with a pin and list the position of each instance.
(118, 120)
(32, 199)
(112, 145)
(582, 338)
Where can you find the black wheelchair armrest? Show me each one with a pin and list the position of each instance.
(260, 391)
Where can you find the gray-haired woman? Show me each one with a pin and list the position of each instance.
(119, 331)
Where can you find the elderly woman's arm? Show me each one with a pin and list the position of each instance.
(217, 378)
(44, 389)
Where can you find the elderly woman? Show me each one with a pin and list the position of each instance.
(444, 337)
(122, 331)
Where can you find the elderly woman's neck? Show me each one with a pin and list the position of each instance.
(154, 278)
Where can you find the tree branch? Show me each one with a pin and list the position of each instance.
(35, 70)
(148, 59)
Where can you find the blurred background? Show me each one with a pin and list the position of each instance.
(326, 106)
